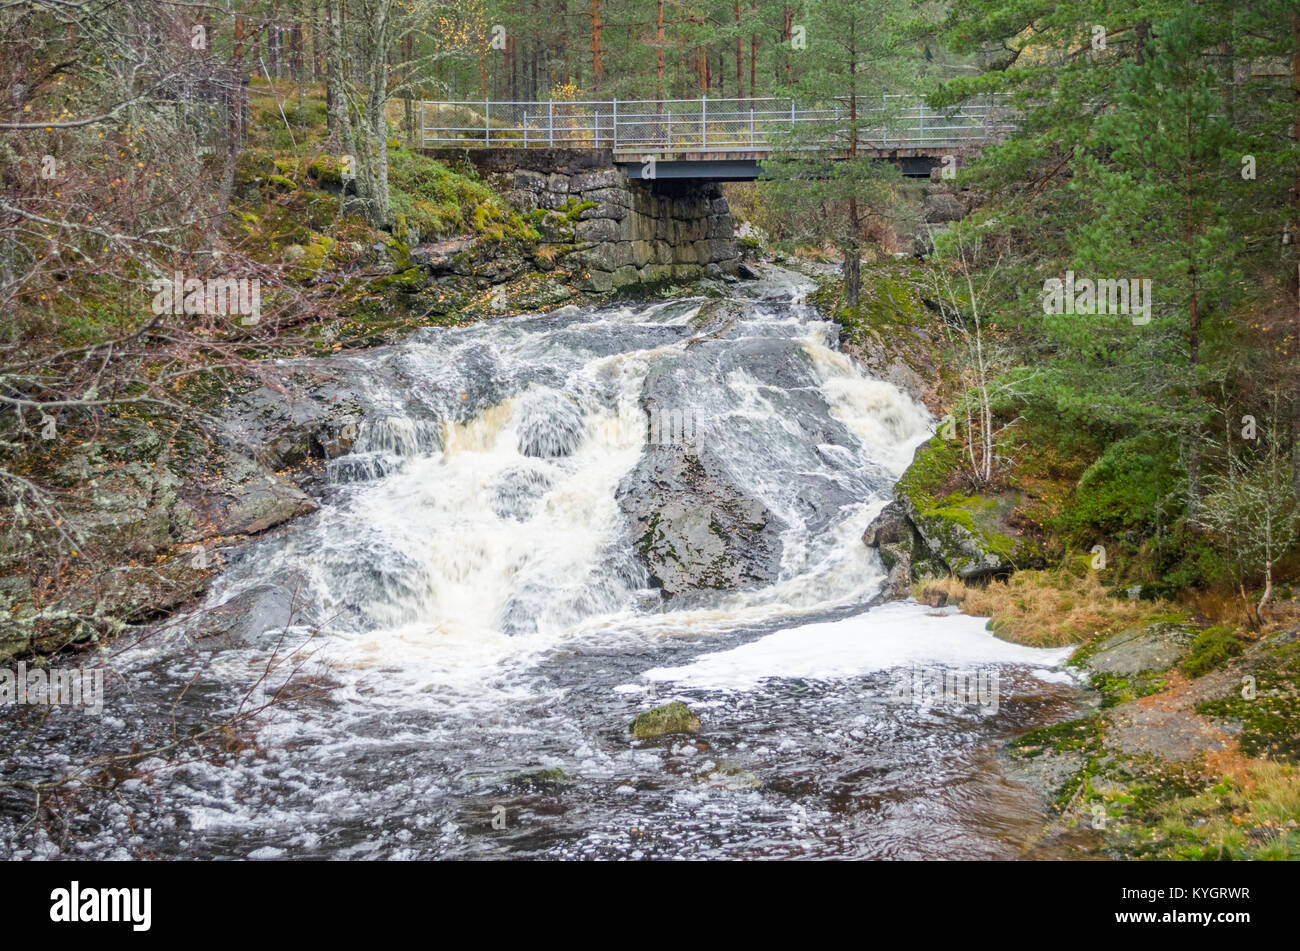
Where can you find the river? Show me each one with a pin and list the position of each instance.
(465, 629)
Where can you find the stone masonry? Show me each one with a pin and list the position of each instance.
(615, 230)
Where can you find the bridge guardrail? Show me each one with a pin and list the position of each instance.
(706, 125)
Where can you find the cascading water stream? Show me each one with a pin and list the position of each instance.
(470, 593)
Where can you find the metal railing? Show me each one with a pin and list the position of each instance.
(710, 125)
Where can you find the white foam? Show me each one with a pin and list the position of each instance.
(901, 634)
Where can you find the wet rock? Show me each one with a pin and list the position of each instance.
(549, 780)
(695, 529)
(696, 522)
(248, 614)
(897, 543)
(303, 417)
(716, 317)
(246, 498)
(674, 717)
(549, 424)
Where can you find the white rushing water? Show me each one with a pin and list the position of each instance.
(501, 536)
(471, 597)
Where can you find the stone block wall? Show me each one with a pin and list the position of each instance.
(631, 231)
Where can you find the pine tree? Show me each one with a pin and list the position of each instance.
(855, 55)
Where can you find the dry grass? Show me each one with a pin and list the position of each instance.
(1253, 813)
(1046, 608)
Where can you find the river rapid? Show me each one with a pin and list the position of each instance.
(453, 645)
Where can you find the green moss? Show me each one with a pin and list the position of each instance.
(674, 717)
(553, 779)
(976, 516)
(437, 201)
(1270, 714)
(933, 465)
(1081, 735)
(1212, 648)
(1116, 689)
(573, 208)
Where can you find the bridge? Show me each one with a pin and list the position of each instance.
(717, 139)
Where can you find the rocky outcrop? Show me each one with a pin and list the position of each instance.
(1155, 647)
(151, 508)
(929, 529)
(695, 528)
(695, 523)
(144, 527)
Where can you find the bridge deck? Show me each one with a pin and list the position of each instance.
(715, 132)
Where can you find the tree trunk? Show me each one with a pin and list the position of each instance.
(375, 177)
(740, 57)
(234, 127)
(597, 67)
(1295, 225)
(1262, 607)
(852, 253)
(339, 126)
(659, 51)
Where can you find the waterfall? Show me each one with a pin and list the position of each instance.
(545, 524)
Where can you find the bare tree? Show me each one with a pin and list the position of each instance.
(983, 364)
(1253, 507)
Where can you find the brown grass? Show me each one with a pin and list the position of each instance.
(1046, 608)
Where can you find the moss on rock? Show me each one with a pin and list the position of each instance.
(675, 717)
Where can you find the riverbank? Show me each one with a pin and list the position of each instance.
(129, 509)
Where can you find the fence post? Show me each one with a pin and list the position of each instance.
(704, 122)
(525, 130)
(751, 127)
(487, 122)
(920, 123)
(614, 123)
(550, 123)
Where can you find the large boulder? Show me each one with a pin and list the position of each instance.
(695, 528)
(967, 534)
(943, 206)
(710, 497)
